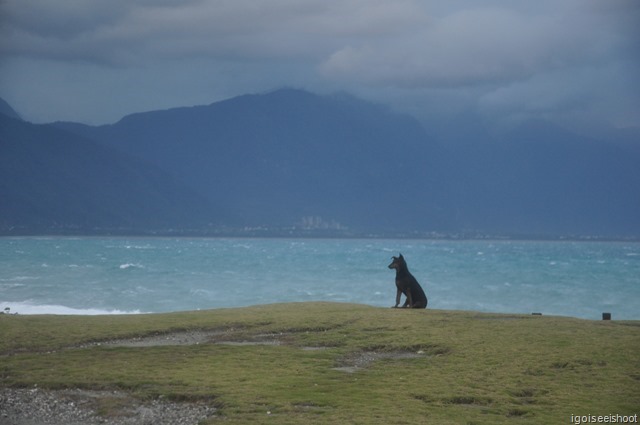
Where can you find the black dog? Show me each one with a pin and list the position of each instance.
(407, 285)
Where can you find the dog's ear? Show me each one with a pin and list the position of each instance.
(401, 256)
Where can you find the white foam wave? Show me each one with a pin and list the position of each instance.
(18, 278)
(130, 265)
(28, 308)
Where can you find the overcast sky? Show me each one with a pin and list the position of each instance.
(95, 61)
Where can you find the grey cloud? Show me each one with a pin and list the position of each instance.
(111, 30)
(522, 57)
(467, 48)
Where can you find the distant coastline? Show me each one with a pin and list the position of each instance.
(302, 233)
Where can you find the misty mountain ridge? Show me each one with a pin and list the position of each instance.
(293, 161)
(277, 158)
(52, 181)
(7, 110)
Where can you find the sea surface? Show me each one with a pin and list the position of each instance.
(56, 275)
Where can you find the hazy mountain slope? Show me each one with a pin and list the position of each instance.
(544, 179)
(283, 158)
(276, 158)
(6, 109)
(51, 180)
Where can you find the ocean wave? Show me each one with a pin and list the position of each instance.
(131, 265)
(28, 308)
(18, 278)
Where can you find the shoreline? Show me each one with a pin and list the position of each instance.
(56, 310)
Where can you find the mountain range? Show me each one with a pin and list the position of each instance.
(290, 162)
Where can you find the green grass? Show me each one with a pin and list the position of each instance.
(473, 368)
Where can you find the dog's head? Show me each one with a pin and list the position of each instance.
(397, 262)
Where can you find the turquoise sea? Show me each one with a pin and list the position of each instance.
(97, 275)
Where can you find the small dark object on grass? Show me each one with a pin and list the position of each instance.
(606, 316)
(408, 285)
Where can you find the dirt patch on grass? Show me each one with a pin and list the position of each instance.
(85, 407)
(238, 337)
(192, 337)
(356, 361)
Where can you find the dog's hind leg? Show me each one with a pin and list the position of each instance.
(407, 302)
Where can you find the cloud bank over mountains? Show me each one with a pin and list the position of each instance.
(570, 60)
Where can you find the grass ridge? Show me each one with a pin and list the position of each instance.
(431, 366)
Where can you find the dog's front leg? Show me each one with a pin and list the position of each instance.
(398, 293)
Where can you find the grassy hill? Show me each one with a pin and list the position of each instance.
(319, 363)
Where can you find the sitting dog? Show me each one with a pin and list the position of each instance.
(407, 285)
